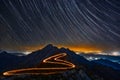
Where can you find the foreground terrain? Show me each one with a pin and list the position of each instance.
(51, 63)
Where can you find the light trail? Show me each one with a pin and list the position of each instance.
(54, 60)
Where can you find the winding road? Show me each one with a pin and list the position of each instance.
(58, 65)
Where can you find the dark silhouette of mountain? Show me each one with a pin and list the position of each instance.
(38, 56)
(108, 63)
(8, 61)
(1, 51)
(103, 69)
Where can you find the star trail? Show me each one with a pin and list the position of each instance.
(31, 23)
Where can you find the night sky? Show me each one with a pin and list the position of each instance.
(88, 24)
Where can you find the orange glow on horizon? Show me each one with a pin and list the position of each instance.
(75, 48)
(86, 48)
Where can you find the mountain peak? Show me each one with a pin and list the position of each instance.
(48, 46)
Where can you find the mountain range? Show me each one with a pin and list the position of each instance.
(95, 70)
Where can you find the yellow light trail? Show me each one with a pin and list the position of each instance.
(55, 60)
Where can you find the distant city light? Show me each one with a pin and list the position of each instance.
(92, 58)
(26, 53)
(115, 53)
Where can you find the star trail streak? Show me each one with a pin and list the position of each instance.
(62, 22)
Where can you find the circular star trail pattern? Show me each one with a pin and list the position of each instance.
(38, 22)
